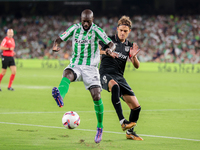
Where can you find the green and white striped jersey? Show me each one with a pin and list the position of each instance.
(85, 44)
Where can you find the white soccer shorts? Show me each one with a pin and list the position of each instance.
(88, 74)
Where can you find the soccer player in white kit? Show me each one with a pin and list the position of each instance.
(83, 64)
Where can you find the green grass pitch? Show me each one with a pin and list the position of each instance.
(168, 94)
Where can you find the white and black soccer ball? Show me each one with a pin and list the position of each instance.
(71, 120)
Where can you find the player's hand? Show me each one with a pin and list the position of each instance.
(56, 48)
(110, 53)
(134, 50)
(114, 55)
(12, 48)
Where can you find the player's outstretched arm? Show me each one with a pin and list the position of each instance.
(56, 43)
(133, 52)
(110, 51)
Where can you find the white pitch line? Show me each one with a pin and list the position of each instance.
(50, 112)
(170, 109)
(166, 137)
(29, 87)
(93, 111)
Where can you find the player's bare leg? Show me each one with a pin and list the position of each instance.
(98, 106)
(134, 105)
(131, 101)
(12, 77)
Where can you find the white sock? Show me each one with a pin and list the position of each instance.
(130, 129)
(128, 132)
(121, 121)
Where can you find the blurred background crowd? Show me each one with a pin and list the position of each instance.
(161, 38)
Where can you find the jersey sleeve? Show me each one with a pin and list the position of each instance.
(3, 43)
(68, 33)
(103, 46)
(102, 35)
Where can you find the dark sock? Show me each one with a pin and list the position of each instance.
(116, 101)
(134, 115)
(130, 130)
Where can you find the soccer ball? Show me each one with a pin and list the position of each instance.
(71, 120)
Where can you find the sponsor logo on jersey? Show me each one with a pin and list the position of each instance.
(120, 55)
(105, 37)
(127, 48)
(76, 35)
(83, 38)
(89, 35)
(82, 41)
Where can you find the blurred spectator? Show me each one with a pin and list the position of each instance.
(161, 38)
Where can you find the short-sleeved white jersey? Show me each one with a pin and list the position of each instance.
(85, 44)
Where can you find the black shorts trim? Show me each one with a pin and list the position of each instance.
(94, 86)
(7, 61)
(125, 89)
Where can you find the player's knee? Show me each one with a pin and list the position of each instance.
(115, 88)
(115, 93)
(95, 93)
(3, 73)
(138, 108)
(69, 74)
(13, 72)
(96, 97)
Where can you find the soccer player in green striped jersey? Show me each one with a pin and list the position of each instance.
(83, 64)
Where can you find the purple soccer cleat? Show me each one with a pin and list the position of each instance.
(58, 98)
(98, 136)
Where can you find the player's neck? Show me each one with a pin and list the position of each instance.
(9, 37)
(122, 40)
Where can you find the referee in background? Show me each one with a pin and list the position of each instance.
(8, 46)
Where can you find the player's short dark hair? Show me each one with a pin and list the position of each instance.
(125, 20)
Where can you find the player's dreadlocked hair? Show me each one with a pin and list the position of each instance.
(125, 20)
